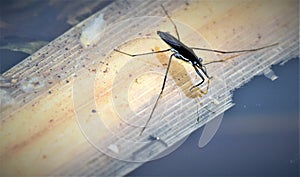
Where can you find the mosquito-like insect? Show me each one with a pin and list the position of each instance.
(185, 53)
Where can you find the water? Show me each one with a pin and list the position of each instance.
(258, 136)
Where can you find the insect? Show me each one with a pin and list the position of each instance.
(187, 54)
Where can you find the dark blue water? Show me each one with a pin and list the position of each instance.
(259, 136)
(36, 20)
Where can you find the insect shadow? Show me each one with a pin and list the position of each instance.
(180, 75)
(187, 54)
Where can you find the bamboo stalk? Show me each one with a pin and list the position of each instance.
(74, 93)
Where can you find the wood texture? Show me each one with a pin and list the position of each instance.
(55, 126)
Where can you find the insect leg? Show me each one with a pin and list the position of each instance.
(234, 51)
(148, 53)
(205, 72)
(175, 27)
(162, 89)
(202, 107)
(208, 82)
(219, 61)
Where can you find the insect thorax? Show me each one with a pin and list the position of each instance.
(179, 56)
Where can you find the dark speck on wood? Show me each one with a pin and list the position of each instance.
(106, 70)
(258, 36)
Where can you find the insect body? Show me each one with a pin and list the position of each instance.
(185, 53)
(181, 51)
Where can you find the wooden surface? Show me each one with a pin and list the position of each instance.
(52, 127)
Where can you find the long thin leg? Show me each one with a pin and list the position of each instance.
(218, 61)
(208, 82)
(162, 89)
(175, 27)
(148, 53)
(235, 51)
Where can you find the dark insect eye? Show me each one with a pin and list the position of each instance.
(200, 59)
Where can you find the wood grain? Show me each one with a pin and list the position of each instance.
(53, 129)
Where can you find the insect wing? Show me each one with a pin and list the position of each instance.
(169, 39)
